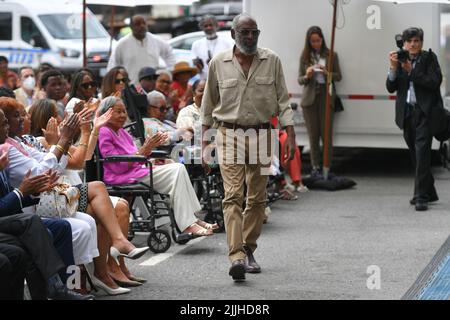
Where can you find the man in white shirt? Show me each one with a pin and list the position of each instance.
(206, 48)
(140, 49)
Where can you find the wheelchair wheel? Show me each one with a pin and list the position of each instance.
(181, 242)
(159, 241)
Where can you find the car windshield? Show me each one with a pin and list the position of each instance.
(69, 26)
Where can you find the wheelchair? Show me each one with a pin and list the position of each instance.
(156, 205)
(208, 187)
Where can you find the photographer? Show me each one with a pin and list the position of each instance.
(416, 76)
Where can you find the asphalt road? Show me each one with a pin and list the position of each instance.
(319, 246)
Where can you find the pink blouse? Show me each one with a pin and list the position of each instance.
(119, 143)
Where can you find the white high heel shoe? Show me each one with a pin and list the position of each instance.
(136, 253)
(98, 284)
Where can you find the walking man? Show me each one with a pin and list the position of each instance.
(245, 88)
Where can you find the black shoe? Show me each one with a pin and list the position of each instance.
(421, 206)
(251, 266)
(237, 270)
(65, 294)
(433, 198)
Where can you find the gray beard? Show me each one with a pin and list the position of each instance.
(246, 50)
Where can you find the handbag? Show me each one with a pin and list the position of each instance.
(338, 106)
(60, 202)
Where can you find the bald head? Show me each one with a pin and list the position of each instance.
(245, 33)
(243, 18)
(138, 26)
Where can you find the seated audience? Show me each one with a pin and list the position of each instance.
(94, 197)
(171, 179)
(26, 248)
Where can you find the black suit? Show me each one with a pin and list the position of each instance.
(13, 263)
(416, 121)
(27, 231)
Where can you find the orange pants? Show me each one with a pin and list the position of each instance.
(294, 166)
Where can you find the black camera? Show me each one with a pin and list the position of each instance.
(402, 54)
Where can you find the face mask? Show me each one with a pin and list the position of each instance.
(29, 83)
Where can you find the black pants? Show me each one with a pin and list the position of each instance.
(418, 137)
(28, 232)
(13, 262)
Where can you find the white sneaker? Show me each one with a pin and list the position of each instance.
(289, 187)
(302, 189)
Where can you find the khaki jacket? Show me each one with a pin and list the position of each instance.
(309, 90)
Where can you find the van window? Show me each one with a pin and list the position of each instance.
(30, 33)
(5, 26)
(69, 26)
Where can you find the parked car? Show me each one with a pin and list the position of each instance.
(223, 11)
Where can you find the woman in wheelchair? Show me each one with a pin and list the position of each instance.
(171, 179)
(156, 122)
(111, 215)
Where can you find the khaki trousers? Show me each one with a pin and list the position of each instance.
(238, 169)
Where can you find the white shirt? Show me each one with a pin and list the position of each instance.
(201, 47)
(189, 117)
(134, 54)
(37, 162)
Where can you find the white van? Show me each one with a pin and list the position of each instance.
(34, 32)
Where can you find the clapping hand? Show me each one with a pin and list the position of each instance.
(78, 106)
(85, 119)
(101, 120)
(92, 104)
(51, 132)
(69, 127)
(152, 142)
(37, 184)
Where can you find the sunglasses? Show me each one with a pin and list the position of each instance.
(123, 80)
(88, 85)
(161, 109)
(247, 32)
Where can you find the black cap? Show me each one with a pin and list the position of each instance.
(147, 72)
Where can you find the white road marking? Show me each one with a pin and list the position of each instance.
(160, 257)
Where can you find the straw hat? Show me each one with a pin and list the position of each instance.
(184, 66)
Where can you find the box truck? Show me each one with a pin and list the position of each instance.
(364, 37)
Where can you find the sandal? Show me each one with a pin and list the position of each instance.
(197, 230)
(207, 226)
(288, 195)
(302, 188)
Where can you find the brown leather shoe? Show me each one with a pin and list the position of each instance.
(237, 270)
(251, 266)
